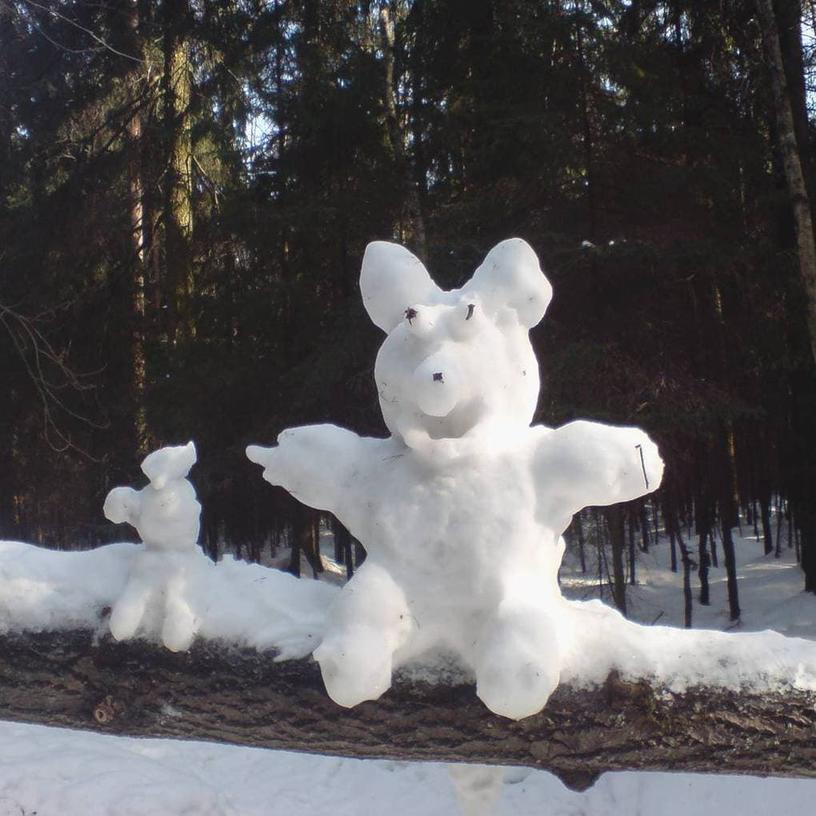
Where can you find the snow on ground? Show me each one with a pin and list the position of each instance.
(56, 772)
(770, 589)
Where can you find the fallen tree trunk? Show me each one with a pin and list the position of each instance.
(242, 696)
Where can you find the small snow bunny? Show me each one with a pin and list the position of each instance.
(462, 509)
(166, 515)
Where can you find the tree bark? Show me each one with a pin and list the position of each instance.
(178, 214)
(6, 119)
(802, 468)
(412, 206)
(614, 519)
(702, 569)
(243, 697)
(767, 530)
(797, 189)
(136, 207)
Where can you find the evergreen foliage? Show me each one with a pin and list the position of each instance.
(186, 190)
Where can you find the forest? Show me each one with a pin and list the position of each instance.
(187, 188)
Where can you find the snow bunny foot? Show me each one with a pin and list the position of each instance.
(461, 509)
(356, 666)
(370, 621)
(166, 515)
(517, 662)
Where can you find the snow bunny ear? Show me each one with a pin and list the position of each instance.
(122, 504)
(392, 280)
(511, 277)
(166, 464)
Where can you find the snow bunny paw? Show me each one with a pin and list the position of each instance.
(166, 515)
(462, 508)
(356, 666)
(517, 663)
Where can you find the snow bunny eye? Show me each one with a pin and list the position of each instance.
(419, 321)
(463, 320)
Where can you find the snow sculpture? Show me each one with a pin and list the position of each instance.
(166, 515)
(462, 509)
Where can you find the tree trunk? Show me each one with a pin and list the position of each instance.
(584, 79)
(614, 518)
(702, 569)
(632, 557)
(782, 39)
(6, 118)
(305, 540)
(581, 551)
(412, 207)
(644, 527)
(243, 697)
(137, 237)
(673, 550)
(767, 531)
(178, 213)
(342, 547)
(791, 158)
(729, 502)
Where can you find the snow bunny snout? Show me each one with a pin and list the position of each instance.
(457, 362)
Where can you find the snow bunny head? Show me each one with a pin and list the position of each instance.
(165, 512)
(455, 363)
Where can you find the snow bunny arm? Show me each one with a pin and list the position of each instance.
(585, 464)
(320, 465)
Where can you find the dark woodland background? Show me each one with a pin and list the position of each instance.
(187, 187)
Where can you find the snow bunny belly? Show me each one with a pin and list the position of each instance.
(454, 531)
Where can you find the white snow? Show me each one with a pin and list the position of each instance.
(233, 601)
(56, 772)
(166, 515)
(250, 605)
(462, 474)
(431, 518)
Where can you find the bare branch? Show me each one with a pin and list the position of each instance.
(54, 13)
(36, 352)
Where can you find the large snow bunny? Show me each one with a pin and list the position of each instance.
(461, 510)
(166, 515)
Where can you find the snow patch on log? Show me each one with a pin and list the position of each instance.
(252, 606)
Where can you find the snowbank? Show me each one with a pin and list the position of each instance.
(253, 606)
(56, 772)
(240, 603)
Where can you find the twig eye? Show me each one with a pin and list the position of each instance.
(471, 307)
(410, 315)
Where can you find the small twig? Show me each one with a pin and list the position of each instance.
(54, 13)
(643, 465)
(35, 350)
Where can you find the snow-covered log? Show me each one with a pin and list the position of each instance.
(242, 696)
